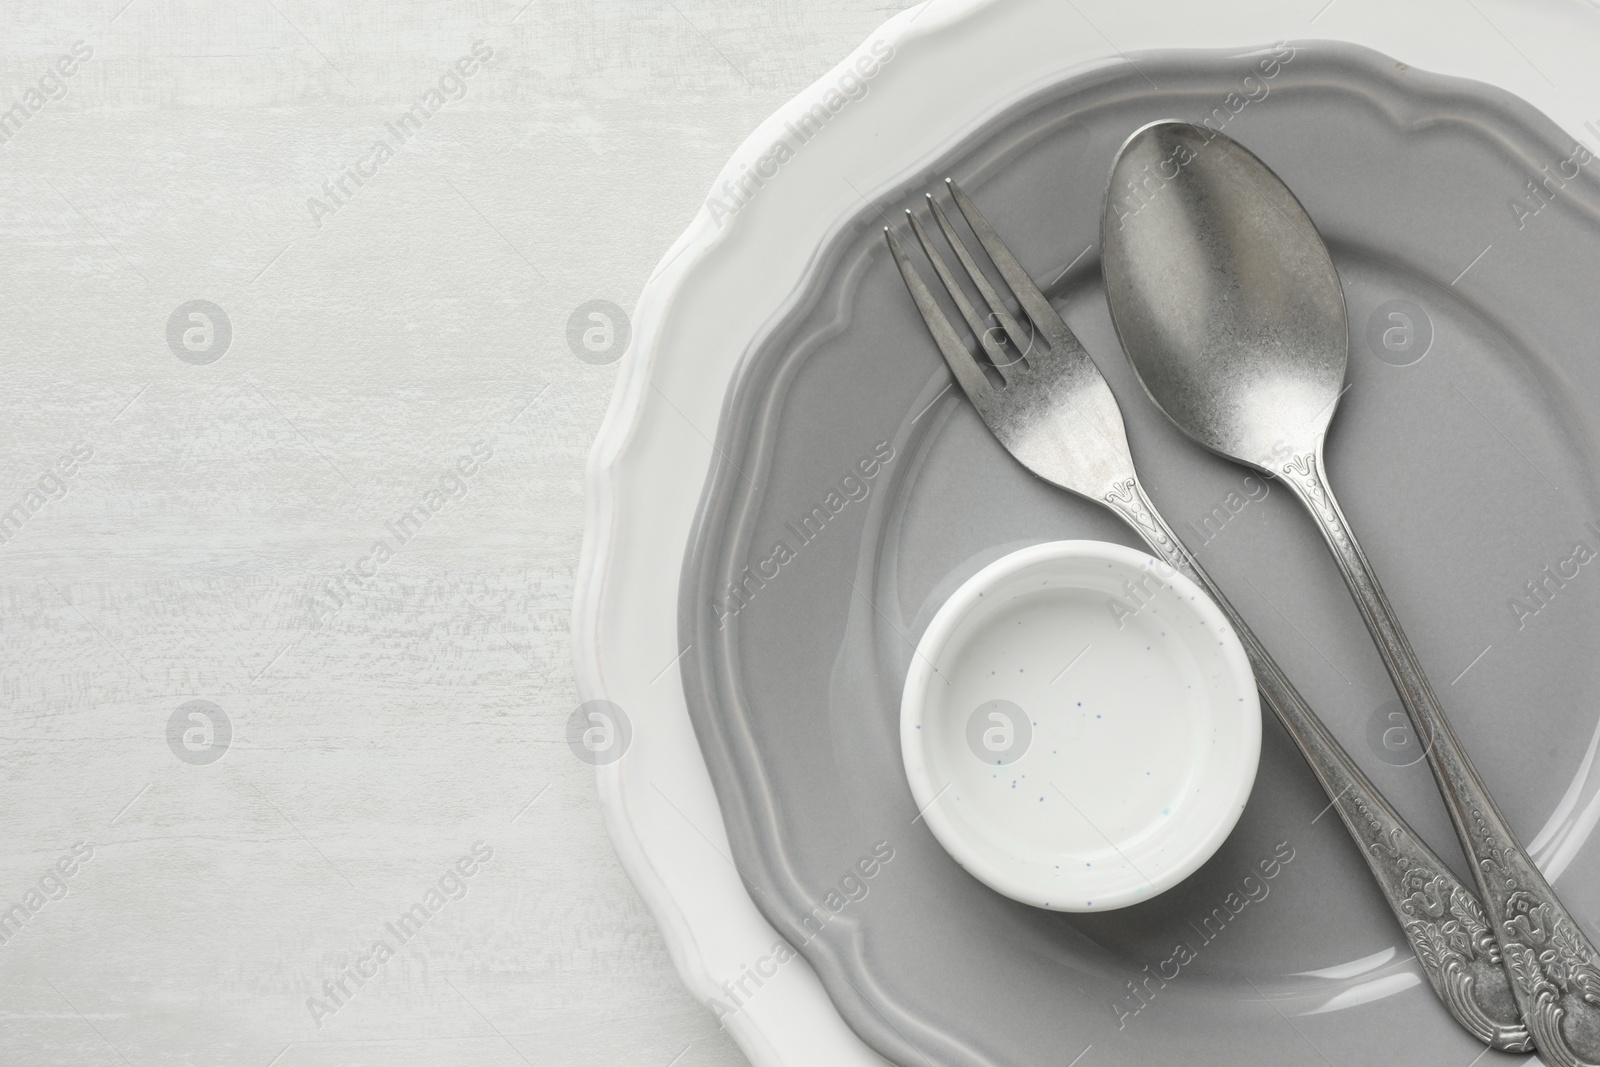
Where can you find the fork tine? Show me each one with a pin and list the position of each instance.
(997, 306)
(985, 336)
(956, 356)
(1028, 295)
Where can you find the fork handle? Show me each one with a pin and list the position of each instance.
(1440, 916)
(1554, 966)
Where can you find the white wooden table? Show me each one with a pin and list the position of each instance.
(243, 744)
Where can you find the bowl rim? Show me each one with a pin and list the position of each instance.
(974, 852)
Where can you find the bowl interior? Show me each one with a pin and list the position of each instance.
(1080, 725)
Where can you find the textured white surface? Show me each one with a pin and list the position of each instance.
(188, 556)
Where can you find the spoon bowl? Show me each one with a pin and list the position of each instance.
(1223, 295)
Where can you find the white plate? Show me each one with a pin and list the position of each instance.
(938, 71)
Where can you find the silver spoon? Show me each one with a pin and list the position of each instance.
(1229, 308)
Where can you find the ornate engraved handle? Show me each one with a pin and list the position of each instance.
(1555, 969)
(1441, 917)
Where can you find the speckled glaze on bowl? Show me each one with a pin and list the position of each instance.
(1080, 726)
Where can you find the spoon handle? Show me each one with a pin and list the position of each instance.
(1555, 968)
(1441, 916)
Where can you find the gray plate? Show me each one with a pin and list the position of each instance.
(1466, 473)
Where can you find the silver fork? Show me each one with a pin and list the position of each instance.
(1054, 412)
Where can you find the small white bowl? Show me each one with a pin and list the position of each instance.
(1080, 726)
